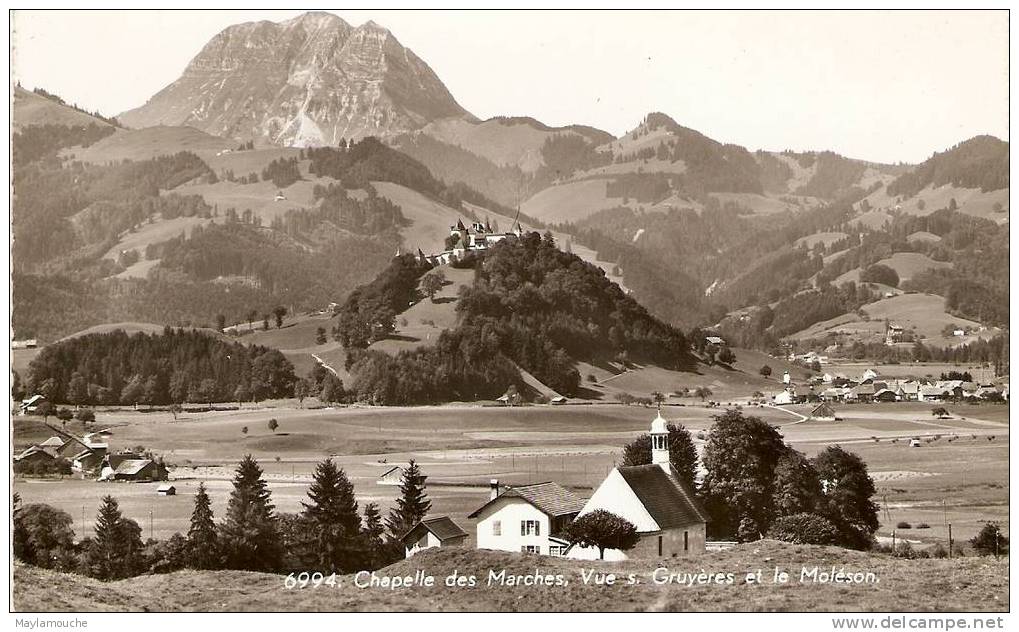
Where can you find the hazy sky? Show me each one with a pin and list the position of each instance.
(883, 86)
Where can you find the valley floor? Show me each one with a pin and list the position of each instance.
(460, 448)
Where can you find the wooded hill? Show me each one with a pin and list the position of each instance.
(531, 306)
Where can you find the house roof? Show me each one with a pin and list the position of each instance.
(132, 466)
(549, 498)
(390, 471)
(33, 450)
(715, 340)
(663, 495)
(441, 527)
(54, 442)
(166, 487)
(31, 400)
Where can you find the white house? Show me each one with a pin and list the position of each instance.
(29, 406)
(669, 521)
(787, 396)
(433, 533)
(527, 519)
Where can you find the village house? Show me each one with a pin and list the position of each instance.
(433, 533)
(669, 521)
(527, 519)
(35, 454)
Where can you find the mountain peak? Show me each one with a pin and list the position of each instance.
(309, 80)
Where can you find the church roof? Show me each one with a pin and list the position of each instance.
(664, 496)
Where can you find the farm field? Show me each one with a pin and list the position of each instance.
(461, 448)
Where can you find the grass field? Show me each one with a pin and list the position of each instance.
(968, 584)
(461, 448)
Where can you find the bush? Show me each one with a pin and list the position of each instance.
(923, 525)
(903, 525)
(990, 539)
(804, 528)
(938, 551)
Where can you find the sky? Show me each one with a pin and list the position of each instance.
(881, 86)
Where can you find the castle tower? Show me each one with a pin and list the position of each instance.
(659, 442)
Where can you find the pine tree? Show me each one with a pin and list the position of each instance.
(334, 519)
(372, 534)
(116, 550)
(202, 543)
(250, 539)
(413, 503)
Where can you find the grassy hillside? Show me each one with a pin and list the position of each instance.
(969, 584)
(34, 109)
(923, 313)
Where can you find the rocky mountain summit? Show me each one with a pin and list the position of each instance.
(311, 80)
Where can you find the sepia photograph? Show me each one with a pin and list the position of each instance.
(509, 311)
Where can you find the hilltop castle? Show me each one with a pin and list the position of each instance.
(463, 240)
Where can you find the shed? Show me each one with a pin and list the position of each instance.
(392, 476)
(823, 412)
(166, 490)
(433, 533)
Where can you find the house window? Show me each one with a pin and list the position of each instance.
(660, 545)
(530, 527)
(659, 441)
(556, 550)
(497, 527)
(527, 548)
(686, 540)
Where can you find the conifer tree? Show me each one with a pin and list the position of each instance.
(413, 503)
(203, 543)
(372, 535)
(250, 538)
(334, 520)
(116, 550)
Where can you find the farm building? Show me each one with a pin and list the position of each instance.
(714, 340)
(559, 400)
(133, 469)
(31, 343)
(527, 519)
(71, 447)
(823, 412)
(654, 499)
(433, 533)
(35, 454)
(885, 395)
(392, 476)
(30, 405)
(166, 490)
(88, 460)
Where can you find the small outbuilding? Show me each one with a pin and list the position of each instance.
(823, 412)
(392, 476)
(166, 490)
(433, 533)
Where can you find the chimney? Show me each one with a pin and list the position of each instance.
(494, 487)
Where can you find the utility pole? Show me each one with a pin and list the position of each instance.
(950, 541)
(893, 541)
(150, 525)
